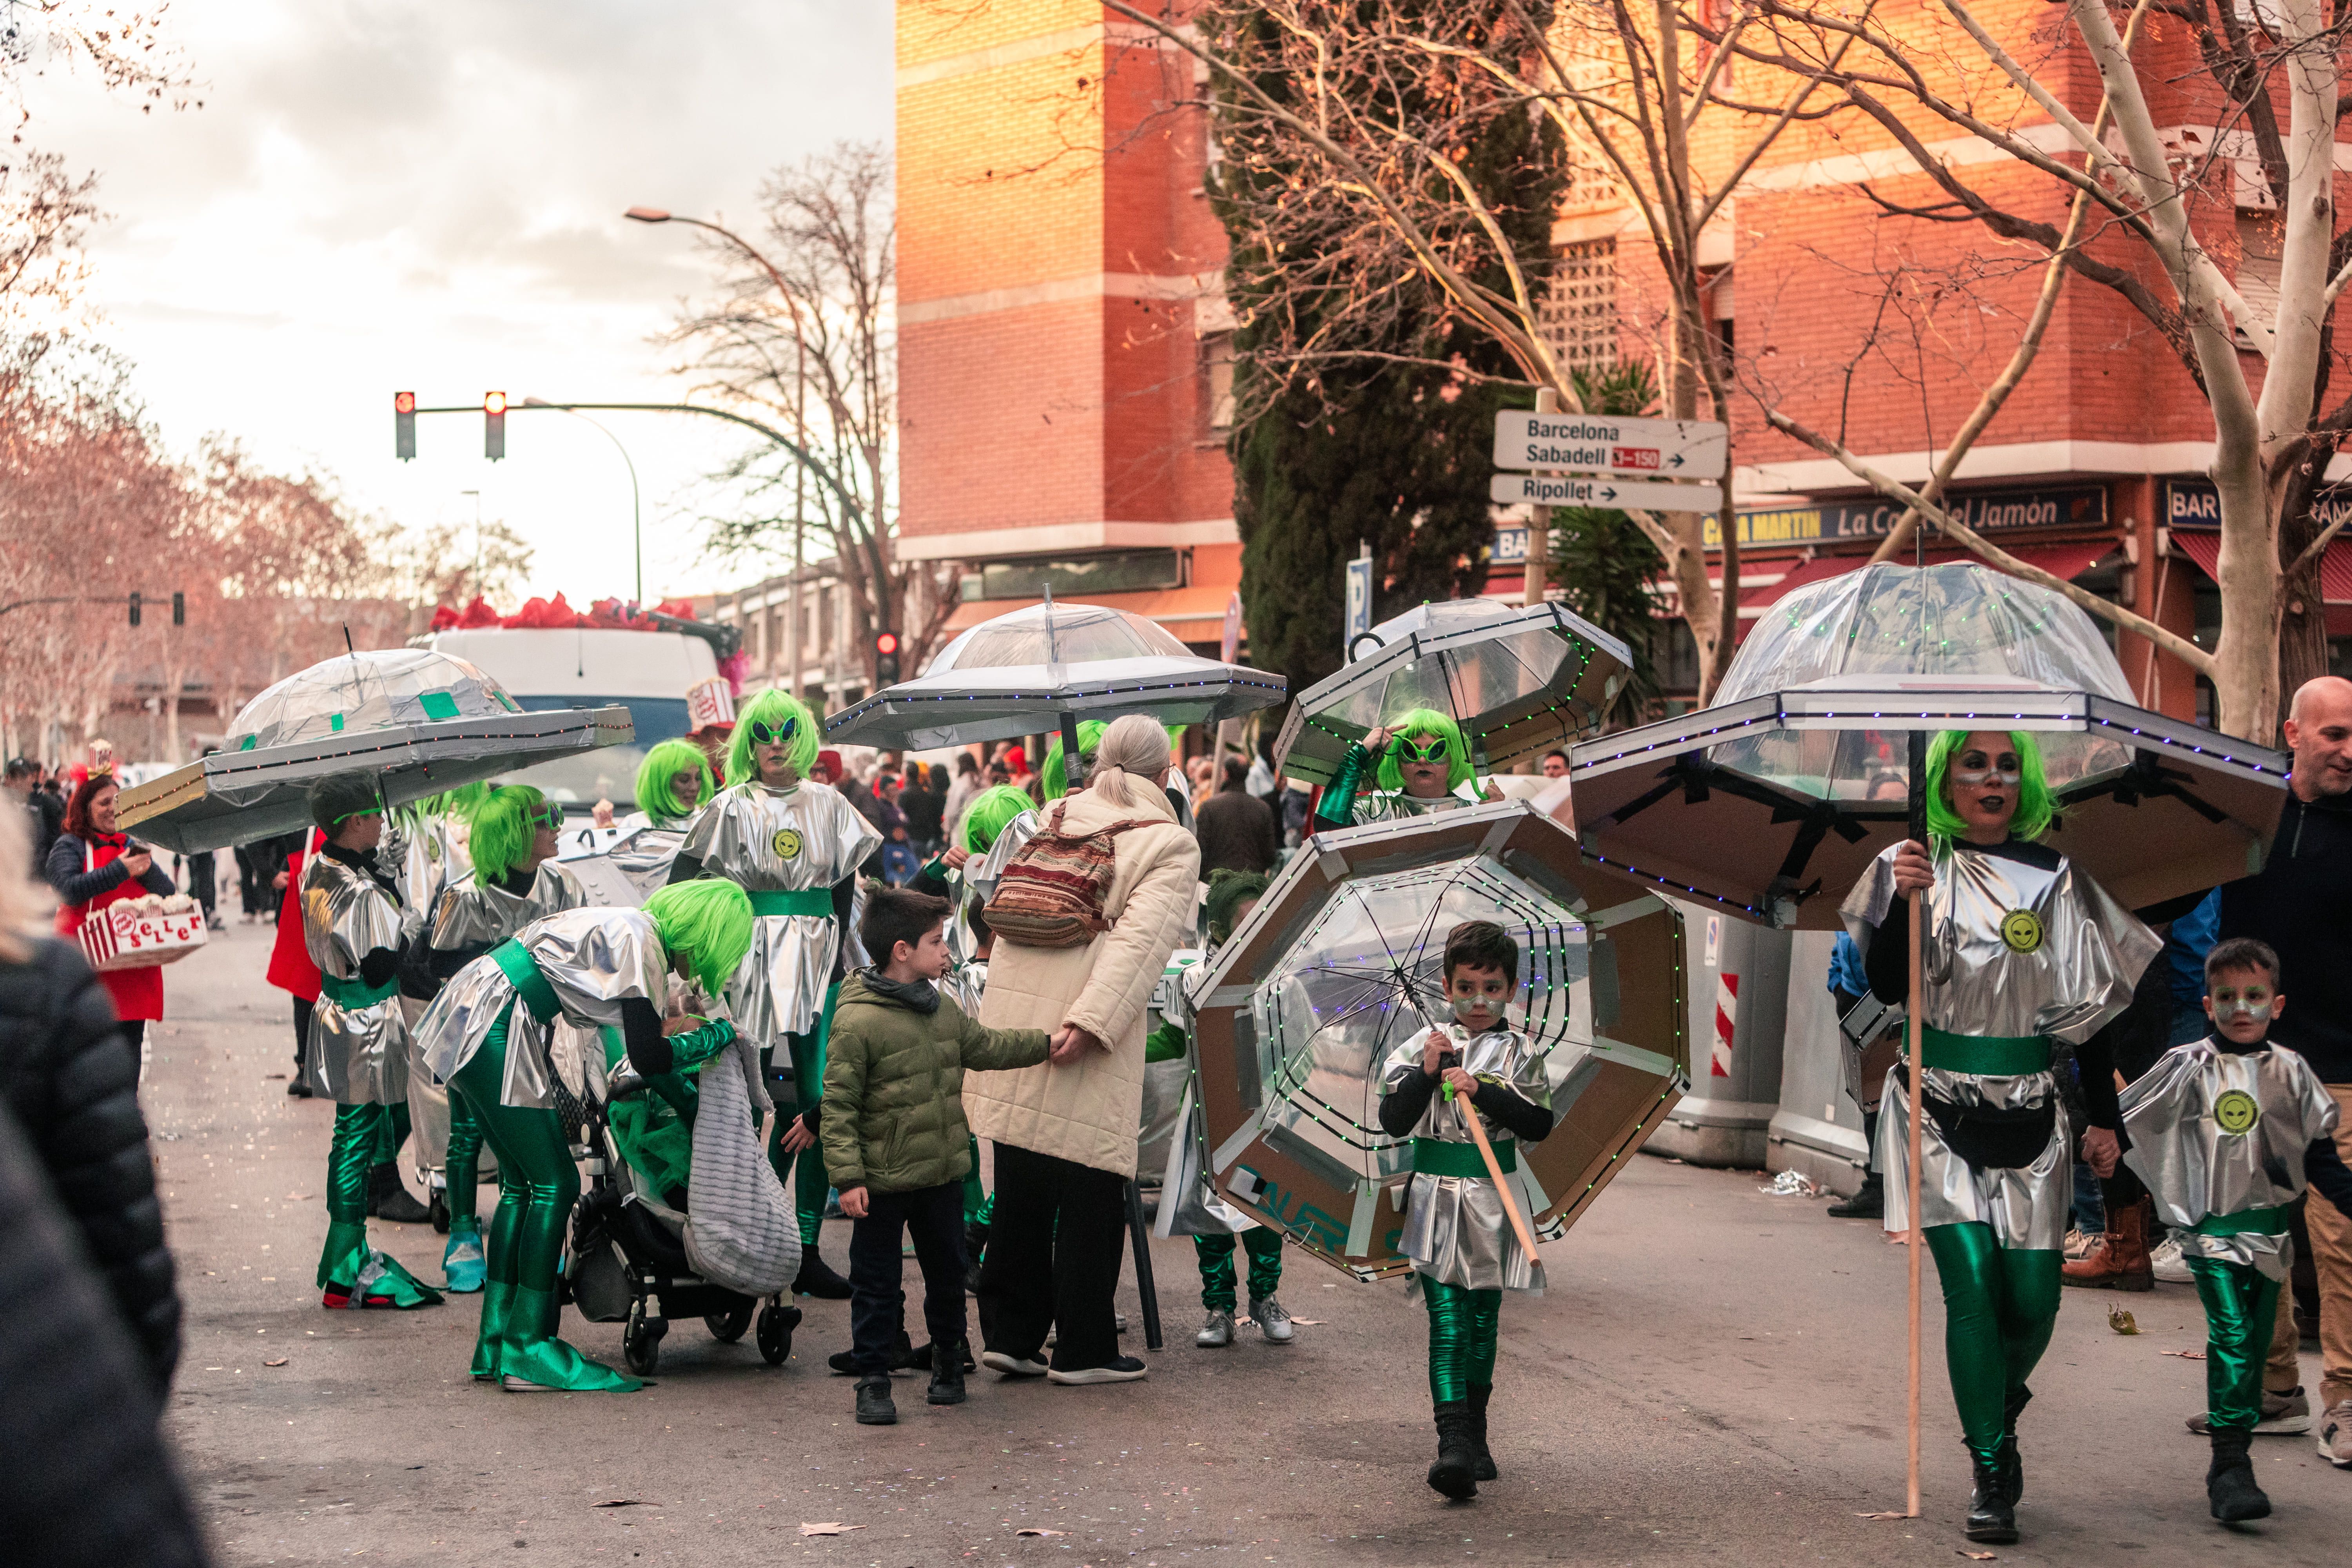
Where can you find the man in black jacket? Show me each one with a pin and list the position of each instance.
(45, 813)
(2301, 905)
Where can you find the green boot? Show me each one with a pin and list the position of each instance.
(498, 1307)
(463, 1261)
(530, 1363)
(351, 1274)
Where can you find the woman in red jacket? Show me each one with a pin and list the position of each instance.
(290, 969)
(91, 865)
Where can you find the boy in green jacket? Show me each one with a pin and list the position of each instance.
(895, 1141)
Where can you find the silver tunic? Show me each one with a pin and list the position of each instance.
(427, 853)
(1395, 805)
(2216, 1133)
(472, 913)
(804, 838)
(355, 1056)
(1455, 1231)
(593, 959)
(2065, 968)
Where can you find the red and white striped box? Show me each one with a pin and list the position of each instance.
(120, 936)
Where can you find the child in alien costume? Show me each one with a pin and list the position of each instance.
(795, 846)
(487, 1035)
(2021, 949)
(1420, 764)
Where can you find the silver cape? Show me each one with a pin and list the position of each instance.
(2196, 1167)
(1395, 805)
(804, 838)
(426, 854)
(2082, 954)
(964, 983)
(977, 884)
(1455, 1231)
(472, 913)
(356, 1056)
(593, 959)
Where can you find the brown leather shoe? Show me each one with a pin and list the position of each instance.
(2119, 1261)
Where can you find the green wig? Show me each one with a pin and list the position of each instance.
(988, 813)
(710, 921)
(2036, 808)
(504, 827)
(1430, 722)
(663, 762)
(773, 709)
(1054, 780)
(1229, 888)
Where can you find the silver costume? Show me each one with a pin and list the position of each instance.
(473, 913)
(427, 853)
(357, 1054)
(593, 960)
(1395, 805)
(2011, 951)
(2217, 1132)
(804, 838)
(1455, 1230)
(977, 884)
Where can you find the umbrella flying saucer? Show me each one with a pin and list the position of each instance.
(1517, 681)
(419, 723)
(1770, 803)
(1341, 961)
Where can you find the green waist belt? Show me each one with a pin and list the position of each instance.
(352, 996)
(1992, 1056)
(818, 901)
(1436, 1157)
(530, 984)
(2247, 1222)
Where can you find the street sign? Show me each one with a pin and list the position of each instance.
(1563, 489)
(1359, 602)
(1605, 444)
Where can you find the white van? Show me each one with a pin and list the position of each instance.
(581, 667)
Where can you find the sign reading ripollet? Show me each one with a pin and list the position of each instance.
(1605, 494)
(1606, 444)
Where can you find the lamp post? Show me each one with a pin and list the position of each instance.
(636, 510)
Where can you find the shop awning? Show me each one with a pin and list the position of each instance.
(2204, 547)
(1194, 614)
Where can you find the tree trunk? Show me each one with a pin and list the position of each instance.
(2303, 616)
(1712, 616)
(2245, 660)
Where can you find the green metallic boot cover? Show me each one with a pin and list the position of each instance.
(463, 1264)
(498, 1306)
(530, 1360)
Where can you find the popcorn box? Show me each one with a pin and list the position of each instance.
(120, 936)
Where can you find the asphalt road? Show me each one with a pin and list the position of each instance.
(1715, 1375)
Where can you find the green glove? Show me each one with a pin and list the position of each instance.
(1164, 1044)
(695, 1047)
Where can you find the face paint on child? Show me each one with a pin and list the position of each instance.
(2243, 1006)
(1476, 996)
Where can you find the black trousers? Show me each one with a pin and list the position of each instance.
(934, 1218)
(200, 880)
(301, 1032)
(253, 889)
(1053, 1251)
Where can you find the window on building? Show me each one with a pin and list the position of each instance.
(1580, 313)
(1115, 572)
(1715, 291)
(2260, 238)
(1217, 379)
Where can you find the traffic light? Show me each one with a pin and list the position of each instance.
(494, 426)
(179, 609)
(403, 425)
(885, 659)
(134, 609)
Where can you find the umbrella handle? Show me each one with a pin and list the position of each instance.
(1495, 1169)
(1918, 1235)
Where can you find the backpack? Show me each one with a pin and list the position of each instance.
(1052, 892)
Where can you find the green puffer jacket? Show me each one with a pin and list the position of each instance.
(894, 1087)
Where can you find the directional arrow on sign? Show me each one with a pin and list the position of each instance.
(1605, 444)
(1608, 494)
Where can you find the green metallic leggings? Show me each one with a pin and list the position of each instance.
(461, 1167)
(1999, 1307)
(359, 1146)
(977, 1204)
(538, 1183)
(1461, 1324)
(2240, 1308)
(1216, 1253)
(392, 1133)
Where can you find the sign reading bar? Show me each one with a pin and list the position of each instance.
(1606, 444)
(1989, 511)
(1614, 495)
(2195, 503)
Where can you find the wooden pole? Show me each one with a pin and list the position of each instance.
(1918, 1238)
(1493, 1169)
(1538, 564)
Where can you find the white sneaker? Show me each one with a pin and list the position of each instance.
(2284, 1415)
(1273, 1321)
(1011, 1365)
(2165, 1259)
(1216, 1334)
(1119, 1369)
(2336, 1434)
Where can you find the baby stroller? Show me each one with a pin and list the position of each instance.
(629, 1257)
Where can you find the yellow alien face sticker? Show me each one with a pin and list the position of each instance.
(2021, 930)
(786, 844)
(2236, 1112)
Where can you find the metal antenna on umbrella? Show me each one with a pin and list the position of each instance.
(1072, 768)
(1916, 743)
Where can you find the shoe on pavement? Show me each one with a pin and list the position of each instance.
(874, 1406)
(389, 1198)
(1273, 1321)
(1869, 1201)
(2118, 1260)
(295, 1087)
(2284, 1415)
(1217, 1332)
(843, 1364)
(2164, 1258)
(2336, 1434)
(818, 1278)
(1119, 1369)
(947, 1378)
(1012, 1365)
(2079, 1243)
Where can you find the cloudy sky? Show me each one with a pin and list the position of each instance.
(426, 195)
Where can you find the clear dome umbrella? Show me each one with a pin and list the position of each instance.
(1517, 681)
(1770, 803)
(419, 721)
(1340, 963)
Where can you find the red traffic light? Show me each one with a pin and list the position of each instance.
(886, 642)
(404, 403)
(494, 403)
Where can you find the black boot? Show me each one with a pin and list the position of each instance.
(947, 1373)
(1869, 1201)
(1479, 1394)
(975, 1243)
(818, 1278)
(388, 1197)
(1992, 1518)
(2230, 1486)
(874, 1406)
(1456, 1473)
(2007, 1459)
(843, 1364)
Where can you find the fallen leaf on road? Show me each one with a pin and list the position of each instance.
(2123, 1322)
(280, 1362)
(1308, 1322)
(1887, 1515)
(1974, 1556)
(1035, 1531)
(2185, 1355)
(807, 1528)
(624, 1502)
(296, 1197)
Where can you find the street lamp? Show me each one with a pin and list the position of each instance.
(637, 512)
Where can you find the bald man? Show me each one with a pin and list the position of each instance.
(2302, 906)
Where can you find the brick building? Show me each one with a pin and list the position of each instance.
(1061, 329)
